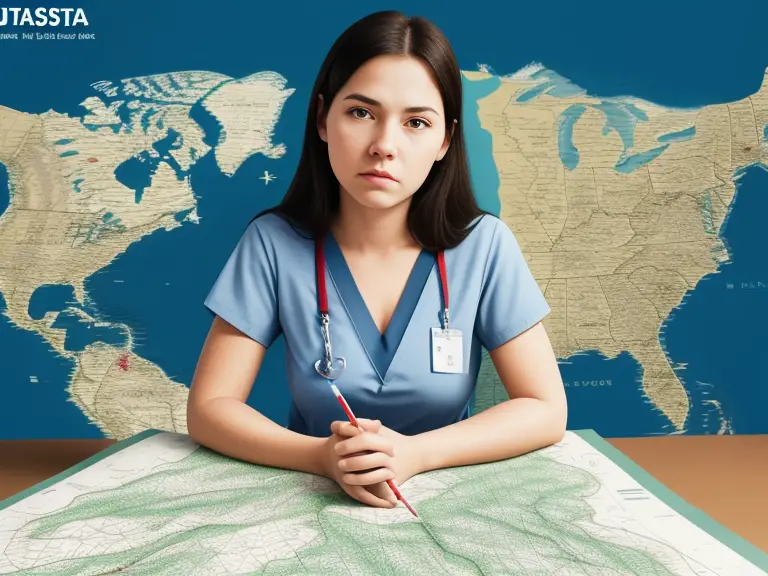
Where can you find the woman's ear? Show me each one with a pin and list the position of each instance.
(446, 142)
(321, 116)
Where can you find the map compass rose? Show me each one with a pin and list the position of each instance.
(267, 177)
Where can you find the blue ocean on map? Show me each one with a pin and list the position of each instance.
(719, 332)
(5, 189)
(157, 286)
(34, 378)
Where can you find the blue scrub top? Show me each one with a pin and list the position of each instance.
(268, 288)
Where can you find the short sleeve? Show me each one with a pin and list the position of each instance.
(511, 301)
(245, 293)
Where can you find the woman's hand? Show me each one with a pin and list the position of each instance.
(371, 455)
(356, 460)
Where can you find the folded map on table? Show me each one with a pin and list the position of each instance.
(158, 503)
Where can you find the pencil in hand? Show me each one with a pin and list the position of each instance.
(353, 420)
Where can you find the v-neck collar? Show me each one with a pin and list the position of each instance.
(381, 348)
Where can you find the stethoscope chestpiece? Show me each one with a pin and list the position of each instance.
(332, 372)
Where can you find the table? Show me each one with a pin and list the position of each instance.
(724, 476)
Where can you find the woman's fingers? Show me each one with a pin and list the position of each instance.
(348, 429)
(360, 494)
(365, 461)
(372, 426)
(365, 442)
(369, 477)
(382, 490)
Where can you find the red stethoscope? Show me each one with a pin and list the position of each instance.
(332, 368)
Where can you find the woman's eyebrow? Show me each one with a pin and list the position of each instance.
(372, 102)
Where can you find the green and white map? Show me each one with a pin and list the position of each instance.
(157, 503)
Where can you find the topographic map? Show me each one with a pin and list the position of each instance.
(159, 504)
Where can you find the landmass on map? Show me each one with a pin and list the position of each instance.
(166, 506)
(71, 213)
(617, 204)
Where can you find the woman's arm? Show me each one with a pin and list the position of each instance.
(534, 417)
(219, 418)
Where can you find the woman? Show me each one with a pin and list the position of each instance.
(380, 205)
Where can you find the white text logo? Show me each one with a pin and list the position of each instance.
(43, 17)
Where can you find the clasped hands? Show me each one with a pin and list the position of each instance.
(361, 461)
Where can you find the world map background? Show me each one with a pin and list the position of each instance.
(622, 146)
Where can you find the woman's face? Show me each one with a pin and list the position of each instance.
(384, 130)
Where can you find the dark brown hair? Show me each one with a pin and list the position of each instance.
(444, 206)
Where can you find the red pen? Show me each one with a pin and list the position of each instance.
(353, 420)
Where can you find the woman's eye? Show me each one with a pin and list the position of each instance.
(419, 120)
(363, 114)
(359, 113)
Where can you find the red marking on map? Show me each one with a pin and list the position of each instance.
(122, 362)
(92, 160)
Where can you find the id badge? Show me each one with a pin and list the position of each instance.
(447, 351)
